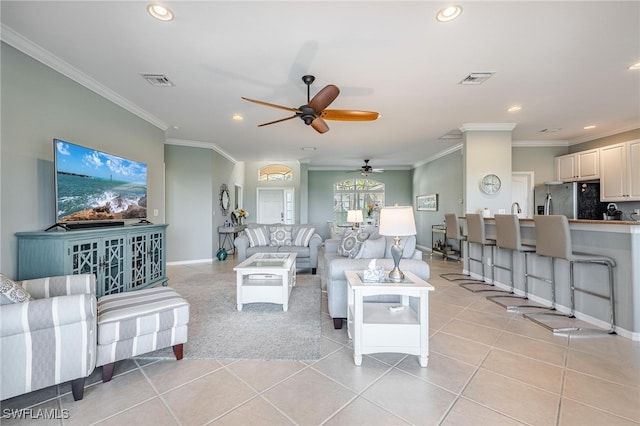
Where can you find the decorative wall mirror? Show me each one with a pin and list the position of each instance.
(225, 199)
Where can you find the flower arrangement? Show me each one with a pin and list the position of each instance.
(241, 214)
(371, 207)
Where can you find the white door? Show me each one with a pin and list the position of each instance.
(275, 205)
(522, 192)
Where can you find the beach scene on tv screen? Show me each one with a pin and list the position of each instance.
(93, 185)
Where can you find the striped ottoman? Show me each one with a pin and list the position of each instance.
(138, 322)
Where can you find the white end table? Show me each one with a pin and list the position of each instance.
(271, 276)
(388, 327)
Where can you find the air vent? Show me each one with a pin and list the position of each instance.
(476, 78)
(550, 130)
(158, 80)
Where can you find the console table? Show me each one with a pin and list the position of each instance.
(122, 258)
(388, 327)
(226, 236)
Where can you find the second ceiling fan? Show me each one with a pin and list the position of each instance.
(314, 112)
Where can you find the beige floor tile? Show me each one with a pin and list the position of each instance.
(166, 375)
(340, 367)
(207, 398)
(261, 375)
(496, 321)
(150, 413)
(442, 371)
(604, 367)
(256, 412)
(361, 412)
(328, 346)
(613, 347)
(546, 352)
(477, 333)
(573, 413)
(465, 413)
(524, 327)
(617, 399)
(308, 397)
(337, 335)
(414, 400)
(513, 398)
(536, 373)
(458, 348)
(104, 399)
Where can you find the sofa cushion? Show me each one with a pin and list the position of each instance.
(303, 236)
(372, 248)
(408, 245)
(12, 292)
(257, 236)
(351, 242)
(280, 235)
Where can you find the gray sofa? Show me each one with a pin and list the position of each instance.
(299, 238)
(375, 247)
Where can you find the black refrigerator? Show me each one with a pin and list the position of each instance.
(576, 200)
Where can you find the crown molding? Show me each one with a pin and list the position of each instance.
(502, 127)
(631, 126)
(537, 144)
(439, 155)
(199, 144)
(16, 40)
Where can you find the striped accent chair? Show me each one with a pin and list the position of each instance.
(50, 339)
(138, 322)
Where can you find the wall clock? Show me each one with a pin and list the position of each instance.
(490, 184)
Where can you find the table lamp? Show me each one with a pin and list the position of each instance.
(397, 222)
(355, 217)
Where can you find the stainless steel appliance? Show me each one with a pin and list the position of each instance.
(576, 200)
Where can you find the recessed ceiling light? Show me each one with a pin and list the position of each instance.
(515, 108)
(238, 117)
(160, 12)
(589, 127)
(634, 66)
(449, 13)
(308, 148)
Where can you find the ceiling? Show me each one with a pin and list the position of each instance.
(565, 63)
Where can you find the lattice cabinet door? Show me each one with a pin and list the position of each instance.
(139, 266)
(156, 255)
(113, 265)
(85, 256)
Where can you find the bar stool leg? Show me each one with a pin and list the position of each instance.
(511, 295)
(483, 282)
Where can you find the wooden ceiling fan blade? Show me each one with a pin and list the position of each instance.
(320, 125)
(349, 115)
(271, 105)
(278, 121)
(323, 98)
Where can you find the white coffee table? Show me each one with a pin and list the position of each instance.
(388, 327)
(269, 279)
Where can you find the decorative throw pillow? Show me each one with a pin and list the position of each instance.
(257, 236)
(373, 248)
(12, 292)
(351, 242)
(303, 236)
(280, 235)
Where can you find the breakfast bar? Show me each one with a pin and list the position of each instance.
(619, 240)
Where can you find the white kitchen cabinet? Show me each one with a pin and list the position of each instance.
(583, 165)
(620, 172)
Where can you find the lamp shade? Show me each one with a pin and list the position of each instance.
(397, 221)
(354, 216)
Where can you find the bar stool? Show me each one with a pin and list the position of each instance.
(553, 240)
(476, 235)
(453, 232)
(508, 237)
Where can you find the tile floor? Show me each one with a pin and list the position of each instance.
(486, 367)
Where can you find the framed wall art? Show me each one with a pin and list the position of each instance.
(427, 203)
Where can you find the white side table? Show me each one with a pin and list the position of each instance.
(388, 327)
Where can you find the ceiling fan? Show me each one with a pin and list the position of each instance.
(366, 169)
(314, 112)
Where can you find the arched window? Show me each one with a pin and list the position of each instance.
(275, 172)
(358, 194)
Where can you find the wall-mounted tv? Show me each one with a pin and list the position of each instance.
(95, 186)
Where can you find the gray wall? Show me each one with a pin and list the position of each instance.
(39, 104)
(398, 189)
(539, 160)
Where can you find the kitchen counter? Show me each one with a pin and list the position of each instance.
(617, 239)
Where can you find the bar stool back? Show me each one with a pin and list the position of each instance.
(508, 237)
(454, 232)
(476, 235)
(553, 240)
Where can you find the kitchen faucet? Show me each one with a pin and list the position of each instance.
(517, 208)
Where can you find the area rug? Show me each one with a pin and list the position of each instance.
(261, 331)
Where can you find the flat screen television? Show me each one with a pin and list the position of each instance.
(95, 186)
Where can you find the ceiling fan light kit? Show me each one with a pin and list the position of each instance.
(314, 112)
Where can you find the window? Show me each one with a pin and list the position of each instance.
(275, 172)
(357, 194)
